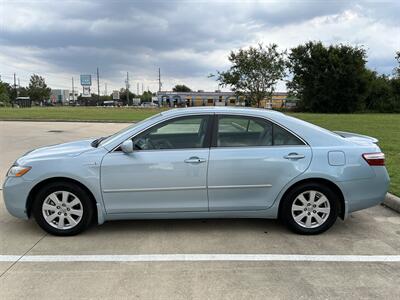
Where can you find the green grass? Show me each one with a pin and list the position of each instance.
(385, 127)
(104, 114)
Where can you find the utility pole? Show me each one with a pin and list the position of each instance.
(73, 90)
(127, 89)
(142, 88)
(15, 87)
(137, 89)
(159, 80)
(98, 87)
(105, 88)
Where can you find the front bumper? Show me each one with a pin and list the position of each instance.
(15, 194)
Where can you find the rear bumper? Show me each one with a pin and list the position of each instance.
(365, 193)
(15, 194)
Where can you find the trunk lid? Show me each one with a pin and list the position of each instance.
(357, 138)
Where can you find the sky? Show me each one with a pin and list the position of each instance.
(188, 40)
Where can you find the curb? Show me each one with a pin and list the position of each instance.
(392, 202)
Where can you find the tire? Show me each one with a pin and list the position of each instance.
(310, 208)
(63, 209)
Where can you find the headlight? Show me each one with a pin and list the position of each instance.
(18, 171)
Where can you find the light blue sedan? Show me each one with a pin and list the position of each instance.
(212, 162)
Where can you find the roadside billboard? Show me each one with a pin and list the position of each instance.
(86, 91)
(115, 95)
(86, 80)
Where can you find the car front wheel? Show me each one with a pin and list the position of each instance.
(310, 209)
(63, 209)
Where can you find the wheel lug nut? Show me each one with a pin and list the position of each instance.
(59, 213)
(68, 209)
(309, 213)
(314, 211)
(305, 209)
(58, 207)
(314, 205)
(65, 214)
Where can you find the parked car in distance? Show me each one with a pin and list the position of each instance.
(211, 162)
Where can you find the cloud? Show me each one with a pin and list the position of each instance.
(187, 40)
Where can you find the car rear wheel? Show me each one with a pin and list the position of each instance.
(310, 209)
(63, 209)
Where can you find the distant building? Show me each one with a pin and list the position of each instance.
(218, 98)
(22, 102)
(115, 95)
(135, 101)
(73, 98)
(59, 96)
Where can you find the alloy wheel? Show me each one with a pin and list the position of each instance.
(62, 210)
(310, 209)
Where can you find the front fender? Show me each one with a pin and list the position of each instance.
(83, 169)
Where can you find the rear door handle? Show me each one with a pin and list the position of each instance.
(194, 160)
(294, 156)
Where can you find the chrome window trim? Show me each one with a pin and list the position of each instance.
(165, 120)
(265, 118)
(216, 114)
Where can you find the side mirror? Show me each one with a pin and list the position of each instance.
(127, 146)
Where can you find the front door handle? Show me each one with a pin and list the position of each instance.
(194, 160)
(294, 156)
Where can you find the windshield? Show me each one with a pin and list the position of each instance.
(122, 131)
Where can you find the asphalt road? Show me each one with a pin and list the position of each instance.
(372, 232)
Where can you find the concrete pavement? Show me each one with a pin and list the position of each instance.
(375, 231)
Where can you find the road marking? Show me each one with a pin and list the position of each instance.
(199, 257)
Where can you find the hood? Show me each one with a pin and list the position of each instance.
(357, 138)
(70, 149)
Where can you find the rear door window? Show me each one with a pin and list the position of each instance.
(242, 131)
(238, 131)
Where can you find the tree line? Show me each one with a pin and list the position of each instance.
(39, 92)
(326, 79)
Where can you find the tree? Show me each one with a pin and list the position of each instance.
(38, 90)
(122, 96)
(146, 96)
(254, 72)
(381, 97)
(181, 88)
(23, 92)
(4, 94)
(328, 79)
(397, 69)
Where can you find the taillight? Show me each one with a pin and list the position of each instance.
(374, 159)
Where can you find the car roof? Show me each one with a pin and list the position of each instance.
(312, 134)
(222, 109)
